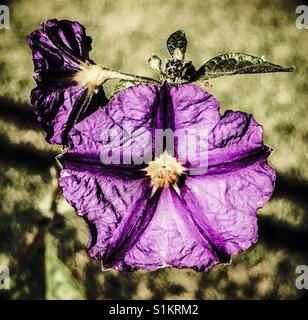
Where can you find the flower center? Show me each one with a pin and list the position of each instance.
(164, 172)
(91, 75)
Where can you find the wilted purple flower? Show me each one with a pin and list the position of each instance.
(63, 96)
(188, 221)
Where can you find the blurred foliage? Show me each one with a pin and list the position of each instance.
(43, 241)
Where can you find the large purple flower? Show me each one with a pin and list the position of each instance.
(158, 214)
(63, 96)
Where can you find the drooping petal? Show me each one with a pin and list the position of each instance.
(58, 109)
(59, 51)
(58, 48)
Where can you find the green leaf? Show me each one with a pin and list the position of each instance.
(155, 63)
(177, 41)
(237, 63)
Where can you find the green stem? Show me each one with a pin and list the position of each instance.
(112, 74)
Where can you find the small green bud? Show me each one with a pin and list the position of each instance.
(155, 62)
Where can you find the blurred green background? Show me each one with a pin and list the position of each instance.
(43, 241)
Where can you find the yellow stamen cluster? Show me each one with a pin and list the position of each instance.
(164, 172)
(93, 76)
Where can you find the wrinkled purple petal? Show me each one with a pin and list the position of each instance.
(193, 108)
(236, 136)
(58, 109)
(132, 109)
(171, 239)
(58, 50)
(224, 205)
(116, 210)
